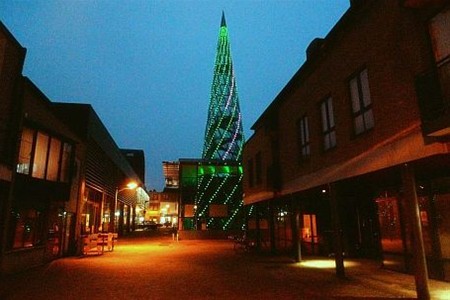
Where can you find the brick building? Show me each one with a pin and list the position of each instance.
(61, 174)
(357, 141)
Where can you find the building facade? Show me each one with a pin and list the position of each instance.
(357, 141)
(61, 174)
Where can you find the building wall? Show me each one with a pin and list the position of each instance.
(388, 41)
(362, 179)
(12, 56)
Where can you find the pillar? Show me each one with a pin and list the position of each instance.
(412, 209)
(337, 231)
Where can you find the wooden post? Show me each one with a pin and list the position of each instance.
(412, 208)
(337, 231)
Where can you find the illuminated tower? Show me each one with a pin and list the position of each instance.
(224, 137)
(219, 198)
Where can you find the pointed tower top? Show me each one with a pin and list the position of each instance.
(223, 23)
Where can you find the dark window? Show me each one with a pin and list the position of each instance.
(303, 137)
(328, 124)
(361, 103)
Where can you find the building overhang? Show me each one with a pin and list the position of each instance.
(407, 146)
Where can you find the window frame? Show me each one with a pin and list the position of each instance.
(303, 138)
(328, 123)
(361, 102)
(41, 146)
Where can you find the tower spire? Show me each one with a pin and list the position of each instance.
(224, 137)
(220, 176)
(223, 23)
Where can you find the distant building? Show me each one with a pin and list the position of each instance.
(171, 174)
(104, 172)
(136, 158)
(163, 208)
(358, 138)
(217, 214)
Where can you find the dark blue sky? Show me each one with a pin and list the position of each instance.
(147, 66)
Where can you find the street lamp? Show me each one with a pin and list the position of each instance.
(130, 186)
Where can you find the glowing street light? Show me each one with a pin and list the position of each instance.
(130, 186)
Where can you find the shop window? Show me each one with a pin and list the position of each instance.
(443, 223)
(26, 228)
(328, 124)
(361, 103)
(309, 230)
(390, 227)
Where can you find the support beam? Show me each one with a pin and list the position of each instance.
(296, 242)
(418, 250)
(337, 231)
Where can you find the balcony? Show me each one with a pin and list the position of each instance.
(433, 91)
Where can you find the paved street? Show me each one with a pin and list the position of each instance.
(158, 268)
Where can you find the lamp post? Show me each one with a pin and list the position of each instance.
(130, 186)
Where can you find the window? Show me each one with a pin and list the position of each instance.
(27, 228)
(26, 146)
(53, 160)
(328, 125)
(65, 162)
(361, 103)
(43, 156)
(440, 39)
(440, 36)
(303, 137)
(40, 155)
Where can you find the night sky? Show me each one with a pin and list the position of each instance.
(147, 66)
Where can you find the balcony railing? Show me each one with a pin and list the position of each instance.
(433, 91)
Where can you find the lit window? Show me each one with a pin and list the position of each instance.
(44, 157)
(65, 162)
(328, 124)
(303, 137)
(53, 160)
(26, 146)
(361, 103)
(40, 155)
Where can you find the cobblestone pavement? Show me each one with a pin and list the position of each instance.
(159, 268)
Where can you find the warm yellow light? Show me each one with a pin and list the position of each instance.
(132, 185)
(325, 264)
